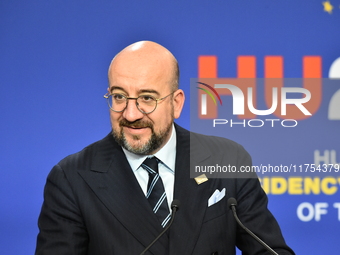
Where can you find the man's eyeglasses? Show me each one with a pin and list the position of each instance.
(145, 103)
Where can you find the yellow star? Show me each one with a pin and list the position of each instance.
(327, 7)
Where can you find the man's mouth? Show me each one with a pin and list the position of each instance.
(132, 130)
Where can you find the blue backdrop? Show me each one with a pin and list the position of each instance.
(53, 66)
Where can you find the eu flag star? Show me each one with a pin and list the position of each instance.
(327, 7)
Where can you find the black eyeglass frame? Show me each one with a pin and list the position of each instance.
(107, 96)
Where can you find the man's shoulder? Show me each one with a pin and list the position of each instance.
(86, 155)
(209, 142)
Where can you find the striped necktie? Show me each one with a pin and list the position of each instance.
(155, 193)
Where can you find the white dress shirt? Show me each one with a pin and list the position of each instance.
(166, 168)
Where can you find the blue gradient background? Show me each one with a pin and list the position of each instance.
(53, 64)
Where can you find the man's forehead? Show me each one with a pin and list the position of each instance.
(146, 74)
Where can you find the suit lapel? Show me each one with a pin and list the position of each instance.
(113, 181)
(193, 197)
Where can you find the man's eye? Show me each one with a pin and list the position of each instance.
(146, 98)
(118, 97)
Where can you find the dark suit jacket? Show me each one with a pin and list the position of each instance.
(94, 205)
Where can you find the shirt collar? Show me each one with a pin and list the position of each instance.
(167, 154)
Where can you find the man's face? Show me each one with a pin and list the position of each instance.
(142, 133)
(138, 132)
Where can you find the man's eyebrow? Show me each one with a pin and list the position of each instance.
(151, 91)
(116, 87)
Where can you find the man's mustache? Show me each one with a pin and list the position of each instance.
(135, 124)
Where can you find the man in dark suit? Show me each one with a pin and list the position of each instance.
(98, 201)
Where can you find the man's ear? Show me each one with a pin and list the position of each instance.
(178, 101)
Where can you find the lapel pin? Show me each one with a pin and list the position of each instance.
(200, 179)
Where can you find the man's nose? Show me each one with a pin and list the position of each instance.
(131, 112)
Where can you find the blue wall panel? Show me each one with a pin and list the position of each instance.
(53, 65)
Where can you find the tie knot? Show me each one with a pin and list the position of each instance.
(151, 165)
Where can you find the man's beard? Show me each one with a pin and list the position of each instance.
(154, 142)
